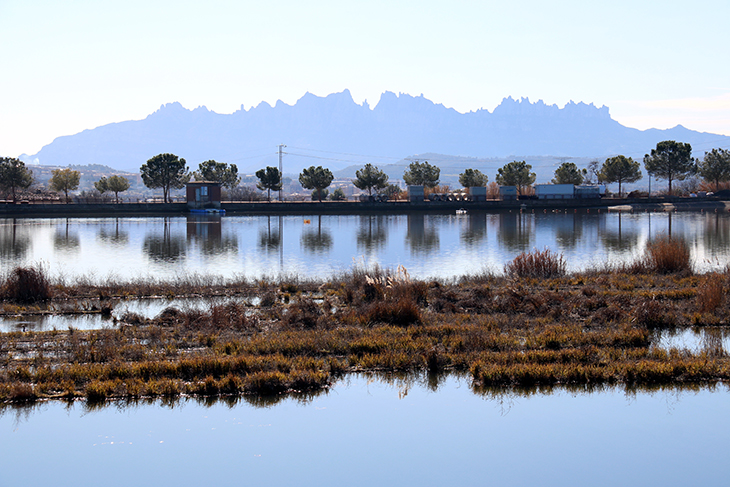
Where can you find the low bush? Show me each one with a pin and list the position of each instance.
(27, 285)
(537, 264)
(666, 255)
(710, 293)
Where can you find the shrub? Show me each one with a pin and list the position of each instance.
(666, 255)
(536, 264)
(403, 312)
(27, 285)
(710, 293)
(304, 314)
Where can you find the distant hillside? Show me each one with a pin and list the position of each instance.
(89, 175)
(335, 132)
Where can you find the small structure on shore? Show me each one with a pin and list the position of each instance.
(415, 193)
(507, 193)
(477, 193)
(203, 194)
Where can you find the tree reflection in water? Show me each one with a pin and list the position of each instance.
(316, 241)
(270, 240)
(516, 231)
(475, 229)
(717, 232)
(568, 229)
(422, 239)
(14, 240)
(620, 239)
(66, 239)
(372, 233)
(113, 235)
(166, 247)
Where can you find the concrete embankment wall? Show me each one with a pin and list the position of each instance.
(345, 207)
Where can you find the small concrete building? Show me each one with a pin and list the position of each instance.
(203, 194)
(588, 191)
(554, 191)
(415, 193)
(508, 192)
(478, 193)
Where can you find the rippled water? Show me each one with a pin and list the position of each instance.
(368, 432)
(428, 245)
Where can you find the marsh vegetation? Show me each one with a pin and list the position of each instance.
(535, 325)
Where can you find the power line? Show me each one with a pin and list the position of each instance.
(346, 153)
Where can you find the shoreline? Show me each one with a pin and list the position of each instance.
(355, 207)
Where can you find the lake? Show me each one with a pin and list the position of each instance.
(369, 431)
(427, 245)
(366, 430)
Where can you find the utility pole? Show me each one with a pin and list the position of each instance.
(281, 167)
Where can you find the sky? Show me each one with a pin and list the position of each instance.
(73, 65)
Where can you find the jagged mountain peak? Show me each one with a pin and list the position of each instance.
(398, 126)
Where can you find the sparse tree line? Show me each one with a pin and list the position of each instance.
(671, 161)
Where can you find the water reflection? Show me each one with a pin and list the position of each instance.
(405, 434)
(618, 238)
(716, 231)
(113, 234)
(14, 239)
(516, 231)
(66, 238)
(270, 240)
(421, 238)
(453, 244)
(316, 240)
(165, 247)
(475, 230)
(372, 233)
(206, 233)
(569, 228)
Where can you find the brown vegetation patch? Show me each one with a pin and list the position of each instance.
(590, 328)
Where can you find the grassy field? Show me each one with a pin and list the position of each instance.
(533, 326)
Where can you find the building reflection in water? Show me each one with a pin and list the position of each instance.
(516, 231)
(568, 229)
(206, 233)
(475, 228)
(165, 247)
(315, 238)
(422, 239)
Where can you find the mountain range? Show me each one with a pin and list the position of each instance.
(336, 132)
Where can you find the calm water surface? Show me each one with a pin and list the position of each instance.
(318, 246)
(369, 432)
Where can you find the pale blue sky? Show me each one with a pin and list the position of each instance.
(74, 65)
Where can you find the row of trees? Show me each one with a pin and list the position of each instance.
(15, 176)
(670, 160)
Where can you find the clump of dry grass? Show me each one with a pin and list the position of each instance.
(710, 293)
(27, 285)
(666, 255)
(537, 264)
